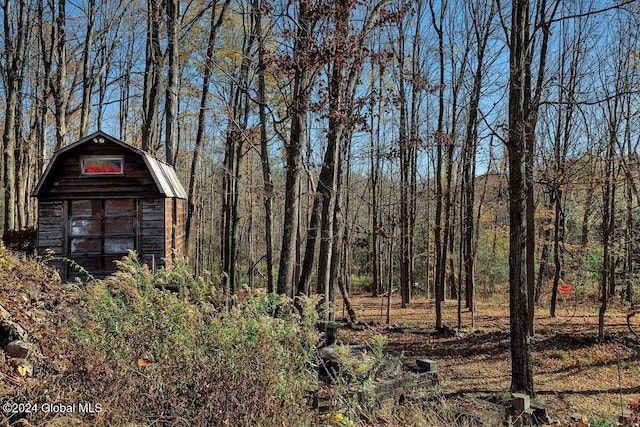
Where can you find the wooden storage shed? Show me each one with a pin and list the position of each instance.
(100, 197)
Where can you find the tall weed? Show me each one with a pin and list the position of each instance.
(154, 357)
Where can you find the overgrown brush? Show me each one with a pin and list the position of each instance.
(152, 357)
(353, 381)
(351, 397)
(148, 356)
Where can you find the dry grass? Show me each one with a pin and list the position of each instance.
(243, 367)
(573, 372)
(151, 357)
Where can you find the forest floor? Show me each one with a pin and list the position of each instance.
(573, 371)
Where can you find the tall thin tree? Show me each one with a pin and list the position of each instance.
(267, 177)
(217, 15)
(174, 21)
(304, 70)
(519, 100)
(152, 76)
(15, 39)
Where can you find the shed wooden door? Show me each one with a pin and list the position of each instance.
(100, 232)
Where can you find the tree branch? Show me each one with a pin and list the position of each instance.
(589, 13)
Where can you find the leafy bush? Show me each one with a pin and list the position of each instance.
(5, 258)
(361, 284)
(150, 356)
(153, 357)
(352, 381)
(602, 422)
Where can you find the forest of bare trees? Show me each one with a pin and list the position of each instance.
(427, 146)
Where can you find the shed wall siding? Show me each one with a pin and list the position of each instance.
(51, 218)
(153, 231)
(181, 223)
(175, 226)
(50, 230)
(168, 225)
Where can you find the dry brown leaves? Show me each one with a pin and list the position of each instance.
(573, 372)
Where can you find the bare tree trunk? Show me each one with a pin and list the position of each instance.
(267, 178)
(389, 278)
(376, 253)
(87, 74)
(482, 30)
(450, 193)
(225, 206)
(344, 273)
(558, 234)
(588, 202)
(15, 39)
(125, 91)
(404, 148)
(544, 258)
(152, 76)
(292, 194)
(329, 195)
(608, 208)
(322, 211)
(337, 244)
(216, 22)
(519, 93)
(345, 71)
(172, 8)
(630, 240)
(302, 82)
(45, 56)
(408, 80)
(563, 139)
(236, 135)
(414, 143)
(311, 239)
(59, 89)
(532, 108)
(22, 153)
(437, 230)
(102, 78)
(230, 200)
(10, 144)
(353, 317)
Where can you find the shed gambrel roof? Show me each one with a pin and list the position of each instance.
(163, 174)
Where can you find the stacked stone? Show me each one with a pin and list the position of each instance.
(14, 341)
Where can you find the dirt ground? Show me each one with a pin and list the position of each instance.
(573, 372)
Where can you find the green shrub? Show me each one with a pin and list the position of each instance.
(354, 379)
(360, 284)
(154, 357)
(603, 422)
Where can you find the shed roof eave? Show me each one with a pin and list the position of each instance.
(165, 177)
